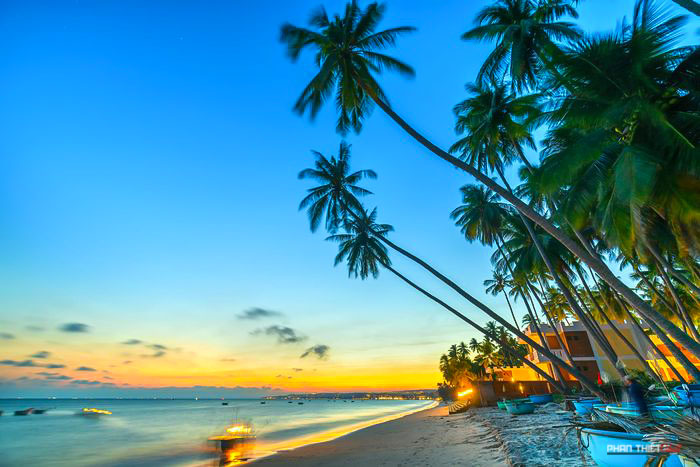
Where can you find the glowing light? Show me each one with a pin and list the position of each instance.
(464, 393)
(96, 411)
(239, 430)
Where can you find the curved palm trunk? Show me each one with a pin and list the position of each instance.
(510, 308)
(563, 389)
(588, 384)
(690, 5)
(553, 325)
(578, 311)
(681, 308)
(617, 332)
(671, 346)
(648, 340)
(601, 269)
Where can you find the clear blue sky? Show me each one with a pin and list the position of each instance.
(148, 189)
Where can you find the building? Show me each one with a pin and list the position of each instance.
(588, 356)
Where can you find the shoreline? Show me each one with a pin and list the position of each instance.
(426, 437)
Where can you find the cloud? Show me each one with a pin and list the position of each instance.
(258, 313)
(23, 363)
(284, 334)
(85, 368)
(74, 327)
(54, 376)
(54, 365)
(34, 328)
(320, 351)
(132, 342)
(297, 369)
(126, 362)
(41, 354)
(158, 347)
(6, 336)
(85, 381)
(157, 354)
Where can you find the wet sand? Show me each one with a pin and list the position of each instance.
(430, 437)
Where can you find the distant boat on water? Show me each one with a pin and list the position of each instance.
(92, 412)
(39, 411)
(300, 403)
(24, 412)
(224, 403)
(262, 402)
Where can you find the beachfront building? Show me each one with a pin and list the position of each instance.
(588, 356)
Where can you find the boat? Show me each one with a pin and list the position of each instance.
(92, 412)
(585, 406)
(620, 449)
(39, 411)
(262, 402)
(688, 394)
(289, 402)
(657, 412)
(24, 412)
(300, 403)
(224, 403)
(519, 408)
(541, 398)
(501, 405)
(235, 446)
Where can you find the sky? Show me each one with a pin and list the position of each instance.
(149, 232)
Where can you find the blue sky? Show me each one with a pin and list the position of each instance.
(148, 184)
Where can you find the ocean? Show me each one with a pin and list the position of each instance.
(174, 432)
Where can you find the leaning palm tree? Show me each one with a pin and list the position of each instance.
(525, 31)
(365, 256)
(498, 284)
(338, 189)
(348, 56)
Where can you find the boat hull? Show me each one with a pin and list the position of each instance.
(613, 449)
(541, 398)
(520, 408)
(585, 407)
(691, 397)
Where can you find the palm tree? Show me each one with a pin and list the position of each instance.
(337, 191)
(497, 285)
(347, 58)
(525, 31)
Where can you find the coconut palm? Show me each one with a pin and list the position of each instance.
(338, 189)
(526, 32)
(346, 64)
(498, 284)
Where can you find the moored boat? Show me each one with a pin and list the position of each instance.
(688, 394)
(541, 398)
(519, 408)
(585, 406)
(501, 405)
(620, 449)
(657, 412)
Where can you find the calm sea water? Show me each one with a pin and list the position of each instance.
(171, 432)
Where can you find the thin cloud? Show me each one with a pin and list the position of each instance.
(320, 351)
(284, 334)
(157, 354)
(34, 328)
(54, 365)
(132, 342)
(85, 368)
(23, 363)
(158, 347)
(297, 369)
(74, 327)
(41, 354)
(85, 381)
(6, 336)
(258, 313)
(54, 376)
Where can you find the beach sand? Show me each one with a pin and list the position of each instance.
(430, 437)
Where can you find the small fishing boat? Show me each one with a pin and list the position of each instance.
(300, 403)
(657, 412)
(620, 449)
(289, 402)
(541, 398)
(39, 411)
(501, 405)
(224, 403)
(235, 446)
(585, 406)
(519, 408)
(24, 412)
(689, 396)
(262, 402)
(92, 412)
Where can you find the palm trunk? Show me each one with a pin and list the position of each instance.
(681, 308)
(641, 329)
(600, 338)
(562, 388)
(552, 325)
(690, 5)
(675, 351)
(493, 315)
(511, 309)
(617, 332)
(598, 266)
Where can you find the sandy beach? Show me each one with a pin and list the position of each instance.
(480, 437)
(430, 437)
